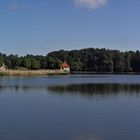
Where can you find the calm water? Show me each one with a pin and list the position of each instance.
(76, 107)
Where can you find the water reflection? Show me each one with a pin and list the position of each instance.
(104, 89)
(23, 88)
(96, 89)
(38, 111)
(87, 137)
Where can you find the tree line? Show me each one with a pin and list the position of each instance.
(90, 59)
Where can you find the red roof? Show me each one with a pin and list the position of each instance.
(65, 65)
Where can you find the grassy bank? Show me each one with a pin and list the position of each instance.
(32, 72)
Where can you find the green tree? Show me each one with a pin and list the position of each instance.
(27, 63)
(35, 64)
(51, 62)
(44, 63)
(135, 61)
(119, 62)
(1, 60)
(127, 58)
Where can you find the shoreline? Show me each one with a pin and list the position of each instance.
(32, 73)
(58, 72)
(107, 73)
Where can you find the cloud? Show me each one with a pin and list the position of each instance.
(93, 4)
(13, 7)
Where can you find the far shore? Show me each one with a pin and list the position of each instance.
(32, 72)
(58, 72)
(108, 73)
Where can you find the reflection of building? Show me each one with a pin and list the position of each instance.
(3, 67)
(65, 67)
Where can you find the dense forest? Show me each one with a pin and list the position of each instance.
(90, 59)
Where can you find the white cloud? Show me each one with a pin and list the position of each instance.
(91, 3)
(13, 7)
(17, 6)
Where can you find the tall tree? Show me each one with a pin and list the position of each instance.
(1, 60)
(27, 63)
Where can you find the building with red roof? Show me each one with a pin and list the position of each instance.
(65, 67)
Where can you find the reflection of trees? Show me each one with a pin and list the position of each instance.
(81, 89)
(97, 89)
(22, 87)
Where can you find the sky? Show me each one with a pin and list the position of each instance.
(41, 26)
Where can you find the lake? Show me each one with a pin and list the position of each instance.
(73, 107)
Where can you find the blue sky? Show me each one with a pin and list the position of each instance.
(41, 26)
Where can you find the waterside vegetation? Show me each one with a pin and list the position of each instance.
(32, 73)
(89, 59)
